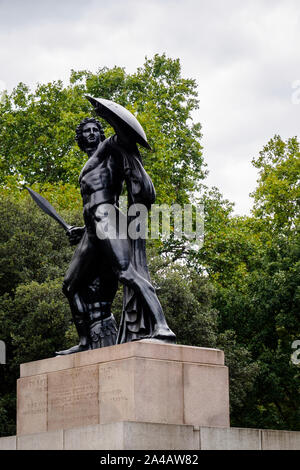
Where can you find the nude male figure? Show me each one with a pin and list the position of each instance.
(100, 262)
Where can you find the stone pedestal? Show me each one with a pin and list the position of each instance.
(127, 435)
(139, 395)
(138, 382)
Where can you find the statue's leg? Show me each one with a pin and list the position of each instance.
(81, 271)
(98, 298)
(118, 252)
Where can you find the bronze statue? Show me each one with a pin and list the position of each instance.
(101, 261)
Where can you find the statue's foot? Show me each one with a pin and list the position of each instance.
(164, 334)
(73, 350)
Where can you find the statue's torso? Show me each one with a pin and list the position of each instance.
(103, 174)
(102, 177)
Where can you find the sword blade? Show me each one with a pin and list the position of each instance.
(48, 208)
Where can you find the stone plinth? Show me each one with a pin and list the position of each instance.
(140, 381)
(127, 435)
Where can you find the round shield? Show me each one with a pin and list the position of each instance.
(116, 115)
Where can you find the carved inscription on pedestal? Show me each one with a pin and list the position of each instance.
(73, 398)
(32, 404)
(116, 398)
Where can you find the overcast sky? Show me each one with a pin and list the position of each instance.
(244, 55)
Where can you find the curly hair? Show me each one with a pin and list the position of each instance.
(79, 131)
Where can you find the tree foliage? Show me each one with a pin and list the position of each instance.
(254, 265)
(37, 127)
(277, 196)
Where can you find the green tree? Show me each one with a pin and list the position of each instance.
(253, 263)
(277, 196)
(32, 246)
(37, 127)
(34, 316)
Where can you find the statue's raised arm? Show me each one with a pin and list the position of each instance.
(129, 132)
(126, 126)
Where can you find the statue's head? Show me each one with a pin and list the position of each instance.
(89, 133)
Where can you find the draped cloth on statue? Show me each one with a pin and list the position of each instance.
(136, 321)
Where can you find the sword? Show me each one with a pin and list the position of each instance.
(48, 208)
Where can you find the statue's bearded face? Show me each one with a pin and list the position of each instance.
(91, 135)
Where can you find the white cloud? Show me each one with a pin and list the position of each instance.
(244, 56)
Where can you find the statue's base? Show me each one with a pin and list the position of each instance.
(139, 395)
(142, 381)
(126, 435)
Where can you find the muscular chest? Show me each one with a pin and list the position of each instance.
(100, 173)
